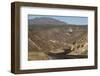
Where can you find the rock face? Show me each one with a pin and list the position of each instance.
(80, 47)
(57, 42)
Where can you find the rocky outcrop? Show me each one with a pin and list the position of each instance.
(80, 47)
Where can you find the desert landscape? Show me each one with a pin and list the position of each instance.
(50, 39)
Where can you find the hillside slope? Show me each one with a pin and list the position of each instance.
(51, 39)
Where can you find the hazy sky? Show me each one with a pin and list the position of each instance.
(68, 19)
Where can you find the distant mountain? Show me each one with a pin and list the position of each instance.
(45, 21)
